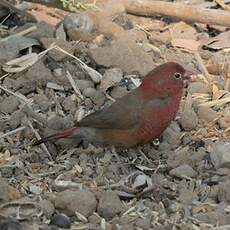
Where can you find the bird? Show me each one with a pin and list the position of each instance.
(137, 118)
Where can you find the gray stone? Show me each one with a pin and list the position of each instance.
(124, 54)
(38, 71)
(143, 223)
(83, 84)
(7, 192)
(9, 104)
(224, 191)
(70, 201)
(47, 208)
(171, 135)
(183, 170)
(96, 96)
(198, 87)
(42, 101)
(80, 21)
(61, 221)
(118, 92)
(110, 78)
(16, 119)
(109, 205)
(188, 120)
(69, 104)
(206, 113)
(43, 30)
(220, 155)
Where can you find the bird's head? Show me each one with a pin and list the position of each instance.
(166, 79)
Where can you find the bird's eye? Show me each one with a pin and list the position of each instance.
(177, 75)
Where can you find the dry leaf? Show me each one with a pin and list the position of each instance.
(19, 64)
(221, 41)
(188, 44)
(182, 30)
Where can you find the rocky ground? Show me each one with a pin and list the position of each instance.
(52, 76)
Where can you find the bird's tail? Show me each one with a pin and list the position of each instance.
(64, 134)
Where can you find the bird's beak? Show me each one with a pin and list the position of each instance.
(188, 76)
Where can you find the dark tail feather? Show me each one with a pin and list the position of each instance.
(64, 134)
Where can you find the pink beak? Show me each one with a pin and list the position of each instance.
(188, 74)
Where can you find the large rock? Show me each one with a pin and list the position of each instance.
(78, 27)
(7, 192)
(220, 156)
(82, 201)
(109, 205)
(124, 54)
(183, 170)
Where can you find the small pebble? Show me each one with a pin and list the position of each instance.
(61, 221)
(198, 87)
(188, 120)
(183, 170)
(220, 156)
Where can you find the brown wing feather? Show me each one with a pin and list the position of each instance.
(125, 113)
(122, 114)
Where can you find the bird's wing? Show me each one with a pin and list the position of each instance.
(122, 114)
(125, 113)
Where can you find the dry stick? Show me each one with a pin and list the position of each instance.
(21, 33)
(5, 75)
(19, 96)
(72, 82)
(223, 5)
(178, 10)
(203, 68)
(5, 19)
(12, 132)
(218, 102)
(90, 70)
(39, 137)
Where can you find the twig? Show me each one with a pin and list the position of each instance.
(92, 72)
(218, 102)
(21, 33)
(178, 10)
(5, 19)
(223, 5)
(73, 84)
(227, 130)
(12, 132)
(203, 68)
(52, 46)
(31, 113)
(143, 154)
(19, 96)
(39, 137)
(5, 75)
